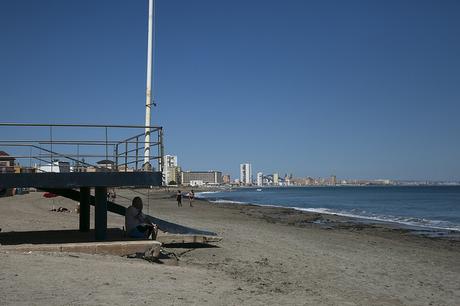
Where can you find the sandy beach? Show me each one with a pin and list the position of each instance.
(268, 256)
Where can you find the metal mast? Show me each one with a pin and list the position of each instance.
(148, 93)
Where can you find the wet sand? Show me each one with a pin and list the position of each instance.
(267, 256)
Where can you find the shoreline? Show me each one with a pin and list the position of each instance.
(419, 229)
(334, 219)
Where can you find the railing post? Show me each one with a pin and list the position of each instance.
(161, 148)
(106, 146)
(51, 148)
(78, 158)
(126, 157)
(137, 151)
(116, 156)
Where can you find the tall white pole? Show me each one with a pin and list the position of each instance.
(148, 93)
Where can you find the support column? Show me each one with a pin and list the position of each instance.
(100, 215)
(84, 209)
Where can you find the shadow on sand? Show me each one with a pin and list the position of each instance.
(57, 236)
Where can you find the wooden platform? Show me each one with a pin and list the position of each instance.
(71, 180)
(201, 239)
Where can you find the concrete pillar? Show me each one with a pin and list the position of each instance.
(100, 213)
(84, 209)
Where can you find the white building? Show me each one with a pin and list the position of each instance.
(198, 178)
(260, 178)
(275, 179)
(170, 169)
(246, 174)
(56, 166)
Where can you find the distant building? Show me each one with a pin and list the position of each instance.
(245, 174)
(56, 166)
(170, 170)
(6, 166)
(287, 180)
(172, 175)
(260, 178)
(6, 163)
(298, 181)
(266, 180)
(201, 177)
(196, 183)
(276, 180)
(105, 165)
(92, 169)
(170, 160)
(226, 179)
(333, 180)
(383, 182)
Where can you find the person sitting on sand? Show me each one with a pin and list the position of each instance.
(179, 198)
(137, 225)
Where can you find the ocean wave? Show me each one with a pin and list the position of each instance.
(352, 213)
(410, 221)
(202, 194)
(227, 202)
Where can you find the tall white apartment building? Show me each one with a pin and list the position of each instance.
(245, 174)
(275, 179)
(260, 178)
(170, 169)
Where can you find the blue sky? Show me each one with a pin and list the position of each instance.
(360, 89)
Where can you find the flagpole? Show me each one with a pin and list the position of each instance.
(148, 93)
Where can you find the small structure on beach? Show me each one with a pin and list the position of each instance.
(6, 163)
(6, 166)
(105, 165)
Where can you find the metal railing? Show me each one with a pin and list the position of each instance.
(83, 147)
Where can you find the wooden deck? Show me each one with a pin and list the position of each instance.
(71, 180)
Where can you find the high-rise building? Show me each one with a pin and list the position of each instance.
(333, 180)
(276, 179)
(226, 179)
(246, 174)
(260, 178)
(170, 169)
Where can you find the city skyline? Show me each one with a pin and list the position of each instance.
(356, 89)
(262, 178)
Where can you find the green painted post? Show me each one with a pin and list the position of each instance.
(84, 209)
(100, 213)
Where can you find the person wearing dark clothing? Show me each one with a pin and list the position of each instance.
(179, 198)
(137, 225)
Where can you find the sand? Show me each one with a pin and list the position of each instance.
(267, 256)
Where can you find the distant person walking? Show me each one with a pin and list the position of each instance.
(179, 198)
(191, 197)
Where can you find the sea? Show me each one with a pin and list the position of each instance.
(433, 207)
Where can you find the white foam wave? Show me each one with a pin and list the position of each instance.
(411, 221)
(227, 202)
